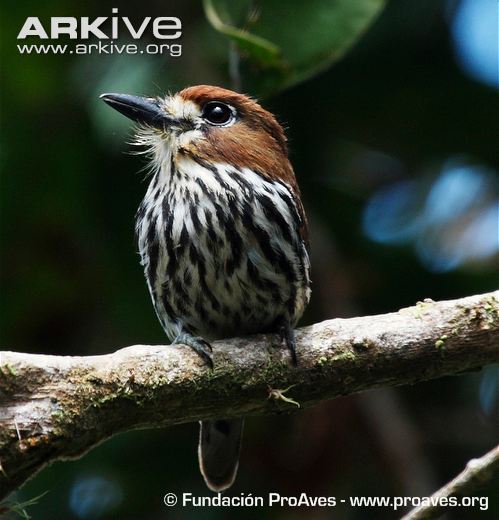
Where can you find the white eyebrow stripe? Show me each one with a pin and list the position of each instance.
(181, 108)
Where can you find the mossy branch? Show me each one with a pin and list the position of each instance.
(55, 407)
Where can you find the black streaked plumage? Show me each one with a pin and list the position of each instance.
(221, 234)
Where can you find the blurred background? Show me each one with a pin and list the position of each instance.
(391, 113)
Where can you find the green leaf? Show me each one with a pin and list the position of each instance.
(291, 40)
(260, 49)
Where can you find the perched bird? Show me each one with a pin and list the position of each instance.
(221, 232)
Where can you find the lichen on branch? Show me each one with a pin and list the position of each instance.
(56, 407)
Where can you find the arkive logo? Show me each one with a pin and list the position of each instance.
(163, 27)
(107, 30)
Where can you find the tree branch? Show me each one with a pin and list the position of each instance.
(55, 407)
(477, 472)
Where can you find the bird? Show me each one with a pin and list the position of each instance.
(221, 232)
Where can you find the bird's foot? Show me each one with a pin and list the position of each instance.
(287, 334)
(199, 345)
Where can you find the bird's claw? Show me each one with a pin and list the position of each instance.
(202, 348)
(287, 334)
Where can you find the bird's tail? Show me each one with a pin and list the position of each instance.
(219, 446)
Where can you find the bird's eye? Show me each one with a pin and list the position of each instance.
(218, 113)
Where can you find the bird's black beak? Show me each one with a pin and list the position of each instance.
(139, 109)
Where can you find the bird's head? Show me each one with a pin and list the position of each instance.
(209, 124)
